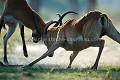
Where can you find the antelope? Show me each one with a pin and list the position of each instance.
(85, 32)
(18, 12)
(12, 21)
(11, 16)
(1, 6)
(2, 1)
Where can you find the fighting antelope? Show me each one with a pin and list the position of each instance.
(78, 34)
(19, 12)
(2, 1)
(2, 6)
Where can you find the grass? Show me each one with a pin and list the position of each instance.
(17, 73)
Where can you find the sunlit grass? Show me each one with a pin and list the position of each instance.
(104, 73)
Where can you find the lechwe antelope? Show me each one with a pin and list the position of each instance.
(2, 6)
(18, 11)
(2, 1)
(78, 34)
(11, 21)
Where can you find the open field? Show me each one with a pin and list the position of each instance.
(85, 58)
(55, 68)
(17, 73)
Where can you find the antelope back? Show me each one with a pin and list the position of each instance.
(92, 26)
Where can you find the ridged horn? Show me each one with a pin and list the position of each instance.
(61, 18)
(48, 25)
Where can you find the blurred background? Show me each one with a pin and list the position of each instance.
(47, 9)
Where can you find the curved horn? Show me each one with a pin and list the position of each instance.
(59, 15)
(60, 19)
(48, 24)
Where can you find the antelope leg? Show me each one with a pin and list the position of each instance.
(51, 50)
(11, 30)
(72, 57)
(23, 40)
(98, 43)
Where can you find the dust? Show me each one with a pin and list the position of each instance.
(85, 58)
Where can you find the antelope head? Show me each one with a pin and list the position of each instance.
(36, 35)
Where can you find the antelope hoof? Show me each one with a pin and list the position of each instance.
(6, 63)
(51, 55)
(1, 64)
(29, 65)
(26, 66)
(94, 67)
(69, 67)
(25, 54)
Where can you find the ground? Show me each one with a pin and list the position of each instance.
(85, 58)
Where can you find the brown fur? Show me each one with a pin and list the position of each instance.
(18, 11)
(22, 12)
(2, 1)
(73, 28)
